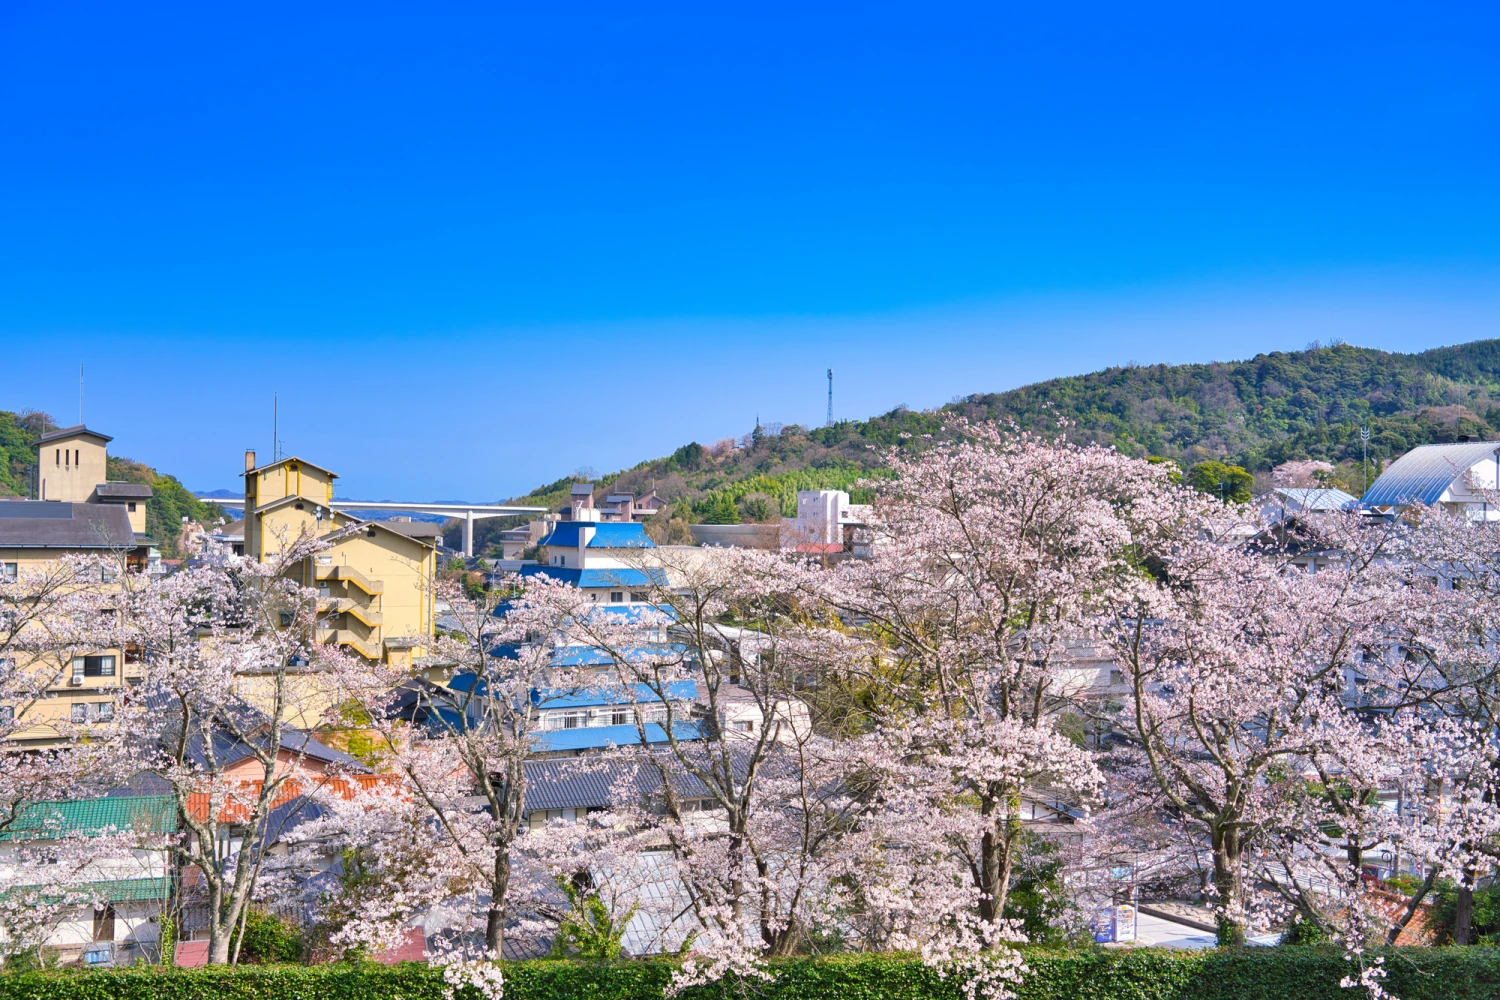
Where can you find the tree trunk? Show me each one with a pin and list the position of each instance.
(218, 942)
(1230, 917)
(1463, 915)
(996, 860)
(494, 928)
(218, 939)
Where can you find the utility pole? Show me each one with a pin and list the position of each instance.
(1364, 438)
(830, 399)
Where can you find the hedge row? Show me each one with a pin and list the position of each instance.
(1140, 974)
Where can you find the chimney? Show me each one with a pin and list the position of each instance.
(249, 460)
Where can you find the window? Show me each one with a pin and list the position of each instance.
(7, 715)
(619, 717)
(105, 711)
(562, 560)
(104, 923)
(92, 666)
(743, 727)
(637, 597)
(575, 720)
(80, 713)
(286, 619)
(98, 666)
(57, 457)
(130, 506)
(8, 571)
(616, 597)
(76, 460)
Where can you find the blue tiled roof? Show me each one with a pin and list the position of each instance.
(676, 691)
(599, 578)
(607, 535)
(600, 737)
(1422, 474)
(593, 656)
(626, 613)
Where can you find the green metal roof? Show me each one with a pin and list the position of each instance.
(134, 890)
(120, 890)
(142, 813)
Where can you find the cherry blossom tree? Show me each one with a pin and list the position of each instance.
(51, 614)
(458, 739)
(996, 555)
(746, 800)
(232, 664)
(1239, 663)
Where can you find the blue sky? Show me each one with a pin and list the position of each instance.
(476, 247)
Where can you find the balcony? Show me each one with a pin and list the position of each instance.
(347, 574)
(344, 606)
(370, 648)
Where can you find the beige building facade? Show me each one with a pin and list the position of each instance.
(77, 513)
(375, 583)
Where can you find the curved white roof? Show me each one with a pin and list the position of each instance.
(1422, 474)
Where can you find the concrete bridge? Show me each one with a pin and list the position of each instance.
(467, 512)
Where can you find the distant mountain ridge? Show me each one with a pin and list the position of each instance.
(1258, 413)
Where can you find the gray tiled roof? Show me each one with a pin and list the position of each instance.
(123, 491)
(48, 524)
(63, 432)
(589, 783)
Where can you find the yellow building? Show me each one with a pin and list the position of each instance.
(375, 583)
(77, 513)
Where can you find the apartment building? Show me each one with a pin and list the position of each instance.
(77, 513)
(375, 582)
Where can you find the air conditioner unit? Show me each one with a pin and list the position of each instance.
(75, 681)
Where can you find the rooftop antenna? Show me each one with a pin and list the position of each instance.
(1364, 440)
(275, 430)
(830, 399)
(80, 393)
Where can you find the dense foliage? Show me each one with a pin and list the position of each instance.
(1254, 974)
(170, 501)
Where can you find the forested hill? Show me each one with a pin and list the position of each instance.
(170, 501)
(1258, 413)
(1273, 408)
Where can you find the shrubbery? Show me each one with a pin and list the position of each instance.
(1142, 974)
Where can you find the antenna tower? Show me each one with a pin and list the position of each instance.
(830, 399)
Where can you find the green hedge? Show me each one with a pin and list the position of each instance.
(1142, 974)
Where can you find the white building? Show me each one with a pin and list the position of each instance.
(1446, 474)
(133, 889)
